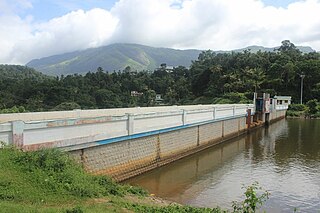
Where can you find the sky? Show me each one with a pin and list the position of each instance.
(31, 29)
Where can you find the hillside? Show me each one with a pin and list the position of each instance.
(17, 72)
(113, 58)
(118, 56)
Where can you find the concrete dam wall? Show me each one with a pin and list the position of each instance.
(126, 142)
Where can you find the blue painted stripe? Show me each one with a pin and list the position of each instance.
(155, 132)
(144, 134)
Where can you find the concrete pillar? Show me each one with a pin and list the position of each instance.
(234, 111)
(263, 113)
(255, 95)
(17, 133)
(184, 117)
(214, 113)
(248, 122)
(130, 123)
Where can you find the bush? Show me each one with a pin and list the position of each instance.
(312, 106)
(13, 109)
(290, 113)
(254, 198)
(297, 107)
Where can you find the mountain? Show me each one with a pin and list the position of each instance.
(118, 56)
(254, 49)
(113, 58)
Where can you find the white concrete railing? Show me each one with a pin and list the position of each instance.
(281, 107)
(25, 130)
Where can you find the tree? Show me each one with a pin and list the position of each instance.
(312, 106)
(290, 49)
(67, 106)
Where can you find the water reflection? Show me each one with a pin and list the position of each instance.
(284, 158)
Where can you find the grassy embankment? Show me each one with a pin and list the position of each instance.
(49, 181)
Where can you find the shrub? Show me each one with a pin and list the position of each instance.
(253, 200)
(297, 107)
(13, 109)
(294, 113)
(312, 106)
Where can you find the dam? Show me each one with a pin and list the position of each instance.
(126, 142)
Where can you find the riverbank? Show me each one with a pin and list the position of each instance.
(49, 181)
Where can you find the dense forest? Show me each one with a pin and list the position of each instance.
(213, 78)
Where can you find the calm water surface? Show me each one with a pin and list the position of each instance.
(284, 158)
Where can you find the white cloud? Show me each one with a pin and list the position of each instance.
(14, 6)
(204, 24)
(75, 31)
(24, 40)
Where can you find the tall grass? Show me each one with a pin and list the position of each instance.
(52, 176)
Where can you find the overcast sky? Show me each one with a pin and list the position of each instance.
(32, 29)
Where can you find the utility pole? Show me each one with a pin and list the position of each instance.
(301, 89)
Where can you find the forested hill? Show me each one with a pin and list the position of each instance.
(114, 57)
(212, 78)
(118, 56)
(17, 72)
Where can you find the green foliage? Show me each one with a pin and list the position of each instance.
(236, 97)
(312, 106)
(76, 209)
(54, 173)
(297, 107)
(135, 190)
(296, 110)
(169, 209)
(291, 113)
(67, 106)
(44, 178)
(13, 109)
(253, 199)
(6, 190)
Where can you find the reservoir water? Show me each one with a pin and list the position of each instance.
(284, 158)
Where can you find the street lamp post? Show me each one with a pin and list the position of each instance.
(301, 89)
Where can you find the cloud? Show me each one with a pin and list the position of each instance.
(203, 24)
(14, 6)
(218, 24)
(23, 40)
(75, 31)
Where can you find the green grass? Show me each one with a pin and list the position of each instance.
(50, 181)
